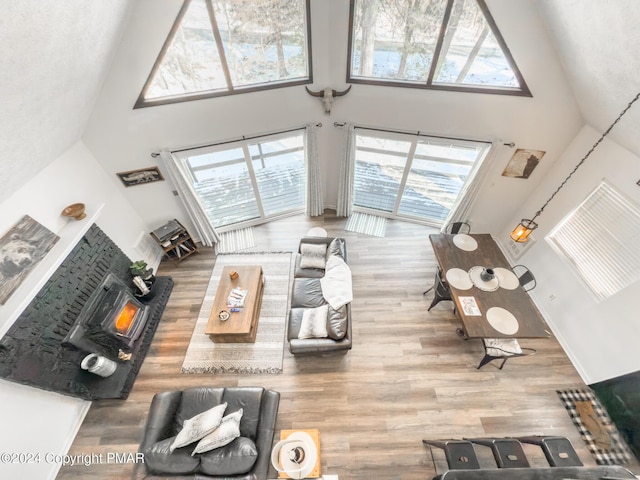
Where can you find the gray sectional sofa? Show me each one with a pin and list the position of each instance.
(308, 295)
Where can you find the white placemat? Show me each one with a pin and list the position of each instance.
(490, 286)
(507, 278)
(465, 242)
(502, 320)
(458, 278)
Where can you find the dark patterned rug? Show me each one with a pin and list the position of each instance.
(595, 427)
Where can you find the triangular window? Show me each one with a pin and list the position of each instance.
(220, 47)
(445, 44)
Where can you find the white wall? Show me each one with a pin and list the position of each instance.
(601, 338)
(34, 420)
(123, 139)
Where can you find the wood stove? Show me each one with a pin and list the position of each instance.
(112, 319)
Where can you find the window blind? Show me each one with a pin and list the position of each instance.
(601, 240)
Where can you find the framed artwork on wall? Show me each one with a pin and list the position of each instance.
(21, 249)
(522, 163)
(141, 176)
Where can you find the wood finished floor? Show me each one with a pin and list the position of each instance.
(408, 377)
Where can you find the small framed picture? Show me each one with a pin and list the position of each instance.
(522, 163)
(139, 177)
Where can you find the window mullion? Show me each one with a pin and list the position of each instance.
(405, 175)
(220, 45)
(438, 50)
(254, 180)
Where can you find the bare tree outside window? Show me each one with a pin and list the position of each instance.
(450, 44)
(218, 47)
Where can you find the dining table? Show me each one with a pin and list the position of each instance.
(496, 307)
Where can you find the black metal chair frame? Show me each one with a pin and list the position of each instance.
(508, 452)
(489, 358)
(558, 451)
(440, 289)
(457, 227)
(526, 278)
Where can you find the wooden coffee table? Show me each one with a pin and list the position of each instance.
(241, 327)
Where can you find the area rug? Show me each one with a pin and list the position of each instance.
(236, 240)
(595, 426)
(367, 224)
(266, 354)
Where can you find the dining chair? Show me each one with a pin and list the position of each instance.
(440, 291)
(502, 349)
(558, 451)
(507, 452)
(457, 227)
(460, 454)
(525, 277)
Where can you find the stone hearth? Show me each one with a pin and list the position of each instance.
(36, 351)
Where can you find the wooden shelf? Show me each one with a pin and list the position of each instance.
(175, 241)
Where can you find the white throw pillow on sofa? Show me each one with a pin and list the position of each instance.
(227, 432)
(199, 426)
(314, 323)
(313, 255)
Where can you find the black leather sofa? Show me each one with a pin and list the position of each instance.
(167, 414)
(307, 293)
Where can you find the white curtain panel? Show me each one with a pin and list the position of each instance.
(207, 234)
(315, 202)
(347, 169)
(477, 177)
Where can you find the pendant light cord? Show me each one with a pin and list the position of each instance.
(595, 145)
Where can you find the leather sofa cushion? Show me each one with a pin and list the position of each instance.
(233, 459)
(337, 323)
(195, 401)
(337, 247)
(158, 458)
(249, 399)
(307, 293)
(306, 272)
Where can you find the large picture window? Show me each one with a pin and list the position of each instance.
(220, 47)
(411, 177)
(248, 182)
(439, 44)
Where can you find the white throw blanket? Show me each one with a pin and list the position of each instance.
(336, 283)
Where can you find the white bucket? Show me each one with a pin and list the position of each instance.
(99, 365)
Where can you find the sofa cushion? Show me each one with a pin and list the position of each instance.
(314, 323)
(300, 272)
(307, 293)
(160, 459)
(199, 426)
(313, 255)
(337, 323)
(194, 401)
(336, 284)
(336, 247)
(295, 319)
(227, 431)
(250, 400)
(236, 458)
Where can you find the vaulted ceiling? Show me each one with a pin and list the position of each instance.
(55, 56)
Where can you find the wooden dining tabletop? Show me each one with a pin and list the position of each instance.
(530, 323)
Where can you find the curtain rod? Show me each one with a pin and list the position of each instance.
(418, 133)
(186, 149)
